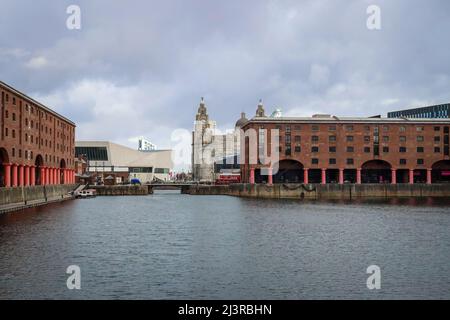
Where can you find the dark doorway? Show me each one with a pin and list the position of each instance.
(261, 176)
(289, 171)
(420, 176)
(3, 159)
(332, 175)
(62, 166)
(39, 163)
(441, 172)
(402, 175)
(315, 176)
(350, 176)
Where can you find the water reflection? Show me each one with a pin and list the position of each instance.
(169, 245)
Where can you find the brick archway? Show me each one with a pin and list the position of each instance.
(376, 171)
(4, 159)
(39, 164)
(62, 167)
(441, 171)
(289, 171)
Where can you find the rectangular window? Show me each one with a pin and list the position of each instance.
(144, 170)
(437, 128)
(332, 138)
(315, 138)
(402, 138)
(92, 153)
(420, 161)
(314, 161)
(437, 150)
(402, 161)
(288, 139)
(402, 149)
(315, 149)
(385, 138)
(419, 129)
(298, 149)
(332, 161)
(376, 150)
(350, 149)
(420, 149)
(288, 150)
(437, 139)
(366, 138)
(420, 139)
(332, 128)
(402, 129)
(298, 138)
(315, 128)
(350, 161)
(366, 128)
(349, 138)
(385, 149)
(332, 149)
(262, 143)
(349, 128)
(297, 128)
(366, 149)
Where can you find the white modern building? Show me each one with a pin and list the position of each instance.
(108, 159)
(146, 145)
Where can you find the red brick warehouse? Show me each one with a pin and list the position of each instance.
(329, 149)
(37, 145)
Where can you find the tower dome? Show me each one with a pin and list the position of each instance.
(260, 111)
(202, 113)
(242, 121)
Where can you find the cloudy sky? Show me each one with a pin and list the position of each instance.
(140, 67)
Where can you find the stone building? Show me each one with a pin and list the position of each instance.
(329, 149)
(210, 147)
(36, 143)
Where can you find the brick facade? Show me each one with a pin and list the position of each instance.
(37, 145)
(328, 149)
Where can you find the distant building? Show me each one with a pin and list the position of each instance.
(36, 143)
(107, 159)
(437, 111)
(146, 145)
(209, 148)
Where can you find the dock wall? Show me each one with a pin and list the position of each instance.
(126, 190)
(328, 191)
(13, 199)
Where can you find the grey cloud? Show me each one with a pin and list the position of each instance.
(302, 56)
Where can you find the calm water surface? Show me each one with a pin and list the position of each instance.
(172, 246)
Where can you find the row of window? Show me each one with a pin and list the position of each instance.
(351, 161)
(367, 139)
(28, 155)
(45, 142)
(385, 128)
(31, 110)
(351, 149)
(31, 125)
